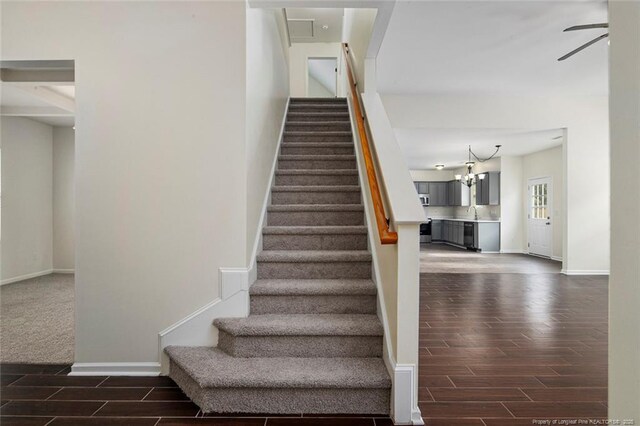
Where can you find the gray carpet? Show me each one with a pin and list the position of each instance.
(37, 320)
(312, 342)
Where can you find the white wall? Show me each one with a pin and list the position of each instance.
(357, 26)
(624, 288)
(161, 186)
(267, 95)
(542, 164)
(26, 198)
(317, 90)
(63, 199)
(298, 66)
(586, 122)
(511, 198)
(431, 175)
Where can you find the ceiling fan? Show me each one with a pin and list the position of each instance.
(587, 44)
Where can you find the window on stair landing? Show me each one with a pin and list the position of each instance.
(539, 201)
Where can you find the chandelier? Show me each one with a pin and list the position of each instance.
(471, 178)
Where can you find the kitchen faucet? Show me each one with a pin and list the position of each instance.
(475, 210)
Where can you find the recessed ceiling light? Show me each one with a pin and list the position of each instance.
(325, 27)
(74, 127)
(439, 166)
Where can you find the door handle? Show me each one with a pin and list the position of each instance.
(548, 223)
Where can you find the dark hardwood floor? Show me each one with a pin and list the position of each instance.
(507, 348)
(503, 347)
(38, 395)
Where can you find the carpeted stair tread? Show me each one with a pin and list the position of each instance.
(317, 256)
(316, 208)
(301, 325)
(312, 287)
(316, 188)
(318, 157)
(211, 367)
(317, 144)
(333, 172)
(315, 230)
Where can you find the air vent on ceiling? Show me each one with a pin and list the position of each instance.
(301, 28)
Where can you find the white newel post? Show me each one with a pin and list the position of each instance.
(406, 403)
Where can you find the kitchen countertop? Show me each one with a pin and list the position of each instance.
(465, 220)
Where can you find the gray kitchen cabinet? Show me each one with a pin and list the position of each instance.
(438, 194)
(458, 193)
(423, 187)
(436, 230)
(488, 190)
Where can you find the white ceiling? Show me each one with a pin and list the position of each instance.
(305, 25)
(424, 148)
(493, 47)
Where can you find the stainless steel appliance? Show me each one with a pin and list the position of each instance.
(425, 232)
(424, 199)
(468, 234)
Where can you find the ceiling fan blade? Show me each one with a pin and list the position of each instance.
(586, 27)
(584, 46)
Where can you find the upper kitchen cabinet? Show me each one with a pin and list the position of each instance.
(488, 190)
(438, 194)
(459, 194)
(422, 187)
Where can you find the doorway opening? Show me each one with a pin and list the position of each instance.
(539, 222)
(322, 77)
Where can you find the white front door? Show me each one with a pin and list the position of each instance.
(539, 216)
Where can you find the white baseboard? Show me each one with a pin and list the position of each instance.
(404, 407)
(585, 271)
(26, 276)
(197, 329)
(557, 258)
(115, 369)
(64, 271)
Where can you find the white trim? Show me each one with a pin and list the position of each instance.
(257, 244)
(64, 271)
(26, 276)
(196, 329)
(115, 369)
(557, 258)
(585, 271)
(232, 281)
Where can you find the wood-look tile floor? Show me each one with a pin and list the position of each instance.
(38, 395)
(507, 348)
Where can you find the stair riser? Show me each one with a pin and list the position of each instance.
(317, 137)
(300, 346)
(314, 242)
(283, 400)
(314, 270)
(317, 164)
(287, 180)
(319, 108)
(329, 150)
(313, 304)
(318, 118)
(319, 126)
(315, 218)
(315, 197)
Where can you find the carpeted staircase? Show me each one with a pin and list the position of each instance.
(312, 342)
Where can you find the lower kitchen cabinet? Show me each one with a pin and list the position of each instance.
(436, 230)
(486, 235)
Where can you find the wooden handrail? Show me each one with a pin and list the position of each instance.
(386, 236)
